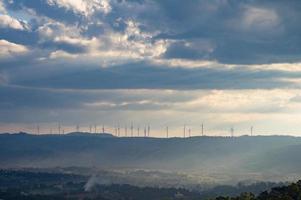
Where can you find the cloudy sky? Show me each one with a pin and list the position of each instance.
(224, 63)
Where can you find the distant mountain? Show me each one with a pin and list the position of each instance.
(90, 134)
(67, 134)
(244, 157)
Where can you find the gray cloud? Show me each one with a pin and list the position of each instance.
(42, 8)
(15, 97)
(147, 76)
(103, 57)
(246, 32)
(24, 104)
(24, 37)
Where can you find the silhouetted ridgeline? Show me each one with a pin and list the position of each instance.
(275, 154)
(291, 192)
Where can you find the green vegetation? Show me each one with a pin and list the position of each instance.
(45, 185)
(290, 192)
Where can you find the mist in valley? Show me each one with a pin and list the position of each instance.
(196, 162)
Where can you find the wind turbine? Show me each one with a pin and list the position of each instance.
(166, 131)
(202, 129)
(132, 129)
(118, 130)
(59, 128)
(115, 130)
(126, 131)
(38, 129)
(77, 128)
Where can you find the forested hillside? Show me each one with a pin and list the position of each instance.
(290, 192)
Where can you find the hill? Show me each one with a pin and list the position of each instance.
(244, 157)
(290, 192)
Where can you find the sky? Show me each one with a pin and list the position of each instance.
(223, 63)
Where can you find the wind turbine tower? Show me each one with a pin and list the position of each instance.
(251, 130)
(103, 128)
(148, 130)
(118, 130)
(59, 127)
(232, 132)
(132, 129)
(202, 129)
(166, 131)
(126, 131)
(77, 128)
(38, 129)
(184, 131)
(138, 130)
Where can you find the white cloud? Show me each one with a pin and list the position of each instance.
(83, 7)
(289, 67)
(2, 8)
(7, 21)
(259, 18)
(8, 49)
(61, 54)
(209, 102)
(132, 44)
(243, 101)
(184, 63)
(53, 29)
(109, 48)
(72, 40)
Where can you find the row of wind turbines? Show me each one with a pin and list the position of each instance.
(132, 131)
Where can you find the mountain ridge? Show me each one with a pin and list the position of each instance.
(224, 155)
